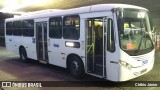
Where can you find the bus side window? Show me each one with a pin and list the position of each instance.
(55, 27)
(28, 28)
(17, 28)
(71, 27)
(9, 27)
(110, 36)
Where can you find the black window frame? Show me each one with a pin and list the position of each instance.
(67, 29)
(55, 31)
(9, 28)
(110, 36)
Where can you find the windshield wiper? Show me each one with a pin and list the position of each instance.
(146, 35)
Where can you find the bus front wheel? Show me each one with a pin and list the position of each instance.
(76, 67)
(23, 55)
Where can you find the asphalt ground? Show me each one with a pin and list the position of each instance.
(12, 69)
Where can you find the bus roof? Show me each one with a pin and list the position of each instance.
(85, 9)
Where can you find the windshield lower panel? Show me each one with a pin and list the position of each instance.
(134, 31)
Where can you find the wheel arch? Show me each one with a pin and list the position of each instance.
(20, 47)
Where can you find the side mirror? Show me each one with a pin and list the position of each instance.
(154, 35)
(153, 30)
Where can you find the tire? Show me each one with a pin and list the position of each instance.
(76, 67)
(23, 55)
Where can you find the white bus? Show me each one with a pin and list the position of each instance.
(110, 41)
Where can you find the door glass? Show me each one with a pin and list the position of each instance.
(45, 40)
(42, 46)
(45, 31)
(96, 45)
(39, 38)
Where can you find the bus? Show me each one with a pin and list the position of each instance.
(110, 41)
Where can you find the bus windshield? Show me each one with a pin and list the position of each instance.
(134, 31)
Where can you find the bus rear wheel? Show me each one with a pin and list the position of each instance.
(76, 67)
(23, 55)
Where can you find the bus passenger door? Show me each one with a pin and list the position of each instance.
(42, 47)
(95, 46)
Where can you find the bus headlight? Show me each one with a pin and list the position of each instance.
(126, 65)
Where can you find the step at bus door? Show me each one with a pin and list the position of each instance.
(42, 47)
(95, 46)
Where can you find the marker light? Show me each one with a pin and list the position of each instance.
(70, 44)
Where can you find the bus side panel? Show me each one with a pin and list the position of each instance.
(56, 55)
(30, 46)
(16, 41)
(58, 51)
(9, 42)
(13, 42)
(112, 66)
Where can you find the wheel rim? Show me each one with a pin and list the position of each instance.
(74, 67)
(22, 54)
(23, 58)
